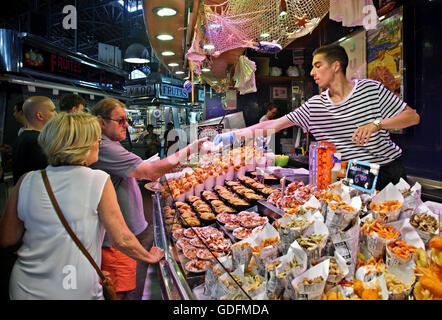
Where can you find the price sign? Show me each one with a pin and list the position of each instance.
(210, 131)
(362, 175)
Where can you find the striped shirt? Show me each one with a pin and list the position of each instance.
(336, 122)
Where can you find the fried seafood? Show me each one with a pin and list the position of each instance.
(310, 242)
(384, 208)
(298, 223)
(401, 249)
(424, 222)
(386, 232)
(309, 281)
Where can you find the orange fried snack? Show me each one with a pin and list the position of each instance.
(346, 283)
(436, 256)
(429, 287)
(264, 243)
(328, 196)
(384, 207)
(436, 243)
(364, 292)
(334, 296)
(386, 232)
(378, 265)
(341, 205)
(401, 249)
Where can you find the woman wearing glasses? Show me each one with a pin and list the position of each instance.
(125, 167)
(49, 264)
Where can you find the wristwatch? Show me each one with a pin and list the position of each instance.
(377, 123)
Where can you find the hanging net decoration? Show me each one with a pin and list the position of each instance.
(244, 24)
(264, 25)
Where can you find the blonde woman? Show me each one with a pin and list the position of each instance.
(49, 264)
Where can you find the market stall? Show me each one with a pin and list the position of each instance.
(159, 100)
(31, 66)
(229, 233)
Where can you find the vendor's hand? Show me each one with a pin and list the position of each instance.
(209, 147)
(362, 134)
(157, 254)
(198, 144)
(226, 138)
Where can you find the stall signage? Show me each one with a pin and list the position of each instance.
(362, 175)
(173, 92)
(51, 63)
(142, 90)
(210, 131)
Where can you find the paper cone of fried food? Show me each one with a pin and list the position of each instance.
(340, 214)
(425, 222)
(310, 284)
(412, 197)
(386, 205)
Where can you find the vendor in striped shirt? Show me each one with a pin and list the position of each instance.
(355, 115)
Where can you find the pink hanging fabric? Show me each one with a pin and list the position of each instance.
(353, 13)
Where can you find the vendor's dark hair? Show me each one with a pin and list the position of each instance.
(71, 100)
(332, 53)
(269, 106)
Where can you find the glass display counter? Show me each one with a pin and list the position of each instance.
(242, 239)
(205, 243)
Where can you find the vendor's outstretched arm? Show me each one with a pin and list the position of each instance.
(264, 128)
(155, 170)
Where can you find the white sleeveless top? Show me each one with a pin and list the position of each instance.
(49, 264)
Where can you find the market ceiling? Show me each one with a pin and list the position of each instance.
(98, 21)
(237, 25)
(181, 27)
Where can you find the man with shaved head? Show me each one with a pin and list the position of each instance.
(27, 155)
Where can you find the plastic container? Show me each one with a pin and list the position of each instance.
(281, 160)
(337, 167)
(343, 172)
(260, 175)
(320, 163)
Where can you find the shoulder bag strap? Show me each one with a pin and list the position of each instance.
(66, 225)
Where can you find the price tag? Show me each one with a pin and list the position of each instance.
(362, 175)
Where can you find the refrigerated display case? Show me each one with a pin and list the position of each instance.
(177, 282)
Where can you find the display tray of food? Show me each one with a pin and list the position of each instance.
(260, 188)
(218, 206)
(195, 246)
(243, 224)
(187, 215)
(203, 210)
(246, 193)
(267, 178)
(231, 199)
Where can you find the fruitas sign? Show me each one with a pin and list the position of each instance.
(168, 91)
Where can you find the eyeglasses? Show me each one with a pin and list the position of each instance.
(121, 122)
